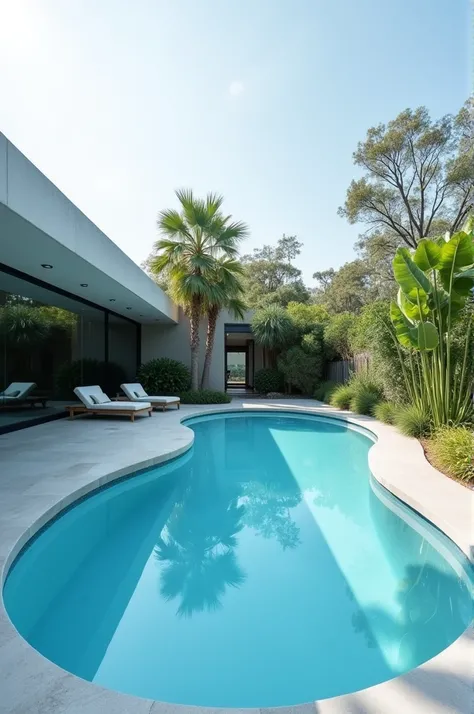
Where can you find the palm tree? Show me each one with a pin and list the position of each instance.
(194, 238)
(23, 324)
(227, 273)
(273, 328)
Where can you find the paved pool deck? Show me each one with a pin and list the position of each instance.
(47, 467)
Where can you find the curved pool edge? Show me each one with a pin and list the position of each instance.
(441, 685)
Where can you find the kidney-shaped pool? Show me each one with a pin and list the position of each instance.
(263, 568)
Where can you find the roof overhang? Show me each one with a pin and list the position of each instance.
(40, 226)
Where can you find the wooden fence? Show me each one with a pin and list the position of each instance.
(342, 370)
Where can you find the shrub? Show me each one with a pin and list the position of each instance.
(385, 412)
(268, 380)
(205, 396)
(452, 450)
(324, 391)
(108, 375)
(164, 376)
(364, 401)
(366, 382)
(341, 396)
(301, 369)
(337, 335)
(413, 420)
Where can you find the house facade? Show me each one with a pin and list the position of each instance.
(69, 298)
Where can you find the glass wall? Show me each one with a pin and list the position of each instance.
(51, 343)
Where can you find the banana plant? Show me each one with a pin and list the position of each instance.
(435, 282)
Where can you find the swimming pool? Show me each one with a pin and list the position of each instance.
(263, 568)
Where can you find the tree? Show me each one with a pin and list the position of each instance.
(193, 239)
(417, 172)
(337, 335)
(23, 324)
(227, 276)
(344, 290)
(270, 276)
(273, 328)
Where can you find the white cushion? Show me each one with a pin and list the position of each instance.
(24, 388)
(130, 406)
(134, 391)
(85, 394)
(163, 400)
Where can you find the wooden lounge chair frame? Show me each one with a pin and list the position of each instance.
(78, 409)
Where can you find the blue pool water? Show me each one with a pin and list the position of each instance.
(263, 568)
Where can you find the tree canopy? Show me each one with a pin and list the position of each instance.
(417, 173)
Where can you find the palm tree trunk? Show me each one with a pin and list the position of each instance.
(212, 316)
(194, 319)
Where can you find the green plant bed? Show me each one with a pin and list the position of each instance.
(205, 396)
(451, 450)
(164, 376)
(324, 391)
(341, 396)
(413, 420)
(385, 412)
(364, 401)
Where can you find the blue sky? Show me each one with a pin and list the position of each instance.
(264, 101)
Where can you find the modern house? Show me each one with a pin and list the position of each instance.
(53, 256)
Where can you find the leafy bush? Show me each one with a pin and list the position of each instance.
(341, 396)
(108, 375)
(386, 412)
(324, 391)
(268, 380)
(164, 376)
(366, 381)
(205, 396)
(413, 420)
(452, 450)
(337, 336)
(301, 369)
(364, 401)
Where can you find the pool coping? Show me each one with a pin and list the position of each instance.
(443, 684)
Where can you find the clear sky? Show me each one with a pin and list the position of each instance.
(119, 102)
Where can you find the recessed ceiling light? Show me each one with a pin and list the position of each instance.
(140, 316)
(129, 308)
(46, 265)
(111, 299)
(84, 285)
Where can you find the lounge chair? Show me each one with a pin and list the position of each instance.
(16, 393)
(136, 393)
(94, 401)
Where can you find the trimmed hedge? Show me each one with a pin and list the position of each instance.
(268, 380)
(164, 377)
(205, 396)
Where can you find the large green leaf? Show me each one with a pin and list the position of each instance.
(412, 310)
(427, 336)
(463, 283)
(468, 227)
(457, 253)
(409, 276)
(427, 255)
(406, 333)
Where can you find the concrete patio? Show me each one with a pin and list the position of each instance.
(47, 467)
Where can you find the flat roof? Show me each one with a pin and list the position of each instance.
(40, 226)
